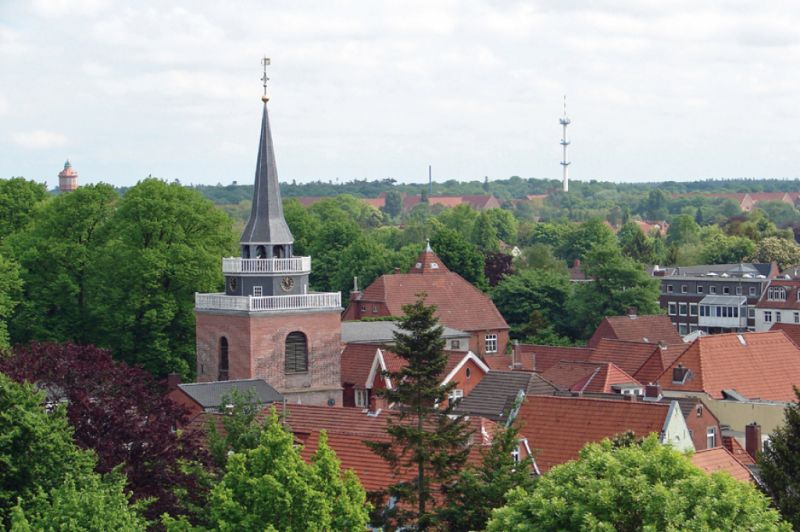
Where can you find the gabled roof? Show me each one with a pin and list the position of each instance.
(628, 355)
(534, 357)
(386, 360)
(649, 328)
(791, 302)
(458, 303)
(495, 395)
(266, 223)
(210, 394)
(738, 452)
(761, 365)
(659, 361)
(791, 330)
(720, 459)
(557, 428)
(356, 363)
(587, 376)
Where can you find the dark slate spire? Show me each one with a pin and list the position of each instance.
(266, 224)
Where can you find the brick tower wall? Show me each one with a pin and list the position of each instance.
(256, 344)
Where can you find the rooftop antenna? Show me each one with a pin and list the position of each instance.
(565, 121)
(264, 79)
(430, 181)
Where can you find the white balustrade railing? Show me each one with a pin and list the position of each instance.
(316, 300)
(291, 265)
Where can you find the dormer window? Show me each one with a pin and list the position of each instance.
(776, 293)
(434, 266)
(680, 374)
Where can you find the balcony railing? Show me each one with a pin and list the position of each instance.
(292, 265)
(313, 301)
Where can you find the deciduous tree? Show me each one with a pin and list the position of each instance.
(635, 487)
(780, 464)
(19, 199)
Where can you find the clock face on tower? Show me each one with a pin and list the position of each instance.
(287, 283)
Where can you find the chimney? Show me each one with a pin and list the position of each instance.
(173, 380)
(652, 392)
(752, 439)
(632, 313)
(679, 374)
(515, 363)
(355, 293)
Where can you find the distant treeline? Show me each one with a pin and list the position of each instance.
(504, 189)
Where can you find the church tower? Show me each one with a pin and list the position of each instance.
(267, 324)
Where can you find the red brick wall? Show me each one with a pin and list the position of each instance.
(467, 384)
(477, 342)
(256, 345)
(699, 424)
(178, 396)
(353, 310)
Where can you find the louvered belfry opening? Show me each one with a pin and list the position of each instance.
(223, 359)
(296, 353)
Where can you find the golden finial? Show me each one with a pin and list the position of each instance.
(265, 79)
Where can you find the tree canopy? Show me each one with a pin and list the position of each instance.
(780, 464)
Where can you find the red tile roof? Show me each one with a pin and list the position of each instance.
(356, 363)
(659, 361)
(720, 459)
(791, 302)
(587, 376)
(738, 452)
(533, 357)
(792, 330)
(628, 355)
(395, 363)
(458, 304)
(653, 328)
(761, 365)
(558, 427)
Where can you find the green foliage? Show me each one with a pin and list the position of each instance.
(10, 296)
(582, 238)
(57, 253)
(425, 440)
(541, 257)
(241, 431)
(518, 296)
(164, 244)
(459, 255)
(393, 203)
(482, 488)
(784, 252)
(618, 283)
(683, 230)
(484, 235)
(270, 487)
(504, 224)
(461, 219)
(90, 503)
(780, 464)
(19, 199)
(635, 244)
(635, 487)
(721, 249)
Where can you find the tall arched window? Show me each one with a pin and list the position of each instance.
(223, 359)
(296, 353)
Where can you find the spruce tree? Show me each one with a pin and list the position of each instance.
(428, 446)
(780, 464)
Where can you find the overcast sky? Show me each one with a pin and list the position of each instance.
(683, 89)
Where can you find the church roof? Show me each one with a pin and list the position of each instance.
(266, 223)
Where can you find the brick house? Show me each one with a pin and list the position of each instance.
(458, 304)
(653, 329)
(779, 303)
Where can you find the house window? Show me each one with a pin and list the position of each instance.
(258, 291)
(751, 312)
(752, 291)
(362, 398)
(491, 343)
(797, 317)
(672, 308)
(692, 327)
(682, 328)
(682, 309)
(726, 290)
(704, 310)
(684, 289)
(777, 316)
(296, 360)
(712, 289)
(692, 309)
(455, 394)
(767, 316)
(468, 373)
(699, 289)
(374, 309)
(699, 411)
(669, 288)
(223, 359)
(363, 308)
(515, 455)
(711, 437)
(455, 344)
(776, 293)
(738, 290)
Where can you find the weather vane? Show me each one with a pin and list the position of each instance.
(264, 78)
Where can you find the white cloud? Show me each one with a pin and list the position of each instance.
(60, 8)
(39, 139)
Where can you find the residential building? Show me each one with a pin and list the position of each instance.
(499, 392)
(557, 428)
(382, 332)
(599, 377)
(208, 396)
(533, 357)
(715, 298)
(458, 304)
(268, 324)
(631, 356)
(721, 459)
(780, 303)
(653, 329)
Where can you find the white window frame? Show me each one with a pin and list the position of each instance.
(777, 316)
(712, 290)
(752, 291)
(751, 312)
(726, 290)
(682, 309)
(711, 437)
(455, 393)
(738, 290)
(682, 329)
(700, 289)
(684, 289)
(669, 288)
(361, 398)
(672, 308)
(455, 344)
(490, 343)
(797, 317)
(767, 316)
(692, 309)
(258, 291)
